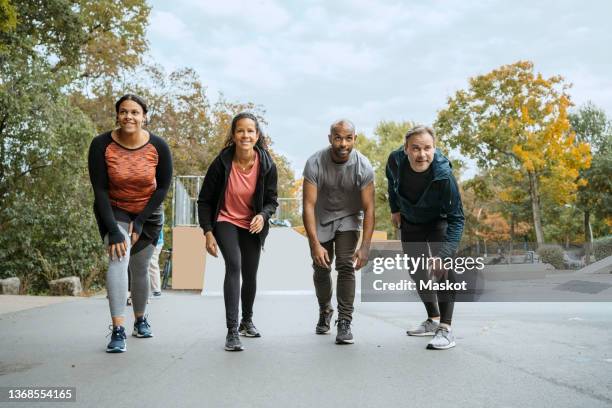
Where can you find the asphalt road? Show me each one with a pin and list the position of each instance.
(508, 355)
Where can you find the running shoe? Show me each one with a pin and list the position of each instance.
(323, 325)
(232, 340)
(142, 328)
(117, 343)
(443, 339)
(426, 328)
(248, 329)
(344, 335)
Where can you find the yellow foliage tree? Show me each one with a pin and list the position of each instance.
(516, 121)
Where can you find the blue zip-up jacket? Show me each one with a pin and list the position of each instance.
(441, 198)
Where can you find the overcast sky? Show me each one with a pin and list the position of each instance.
(311, 62)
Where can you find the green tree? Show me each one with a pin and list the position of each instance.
(592, 126)
(8, 16)
(47, 228)
(388, 136)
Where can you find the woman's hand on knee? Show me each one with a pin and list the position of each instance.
(211, 244)
(133, 236)
(117, 251)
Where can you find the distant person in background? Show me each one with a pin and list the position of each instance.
(426, 206)
(130, 170)
(154, 275)
(338, 186)
(237, 199)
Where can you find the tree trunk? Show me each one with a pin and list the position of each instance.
(535, 207)
(511, 238)
(477, 229)
(588, 237)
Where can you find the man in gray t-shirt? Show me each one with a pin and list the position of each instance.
(338, 188)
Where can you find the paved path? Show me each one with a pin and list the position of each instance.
(508, 354)
(523, 354)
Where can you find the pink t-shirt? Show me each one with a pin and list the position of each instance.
(238, 206)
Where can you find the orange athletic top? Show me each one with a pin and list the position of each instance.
(238, 206)
(131, 176)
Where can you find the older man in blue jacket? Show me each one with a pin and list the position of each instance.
(426, 206)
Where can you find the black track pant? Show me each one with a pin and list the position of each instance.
(419, 240)
(240, 250)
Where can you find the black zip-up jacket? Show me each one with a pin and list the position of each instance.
(212, 194)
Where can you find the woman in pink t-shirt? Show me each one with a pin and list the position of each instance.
(238, 197)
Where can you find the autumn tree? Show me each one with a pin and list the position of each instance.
(517, 120)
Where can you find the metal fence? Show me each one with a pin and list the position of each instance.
(184, 200)
(185, 206)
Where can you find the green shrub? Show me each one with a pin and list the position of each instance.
(552, 254)
(602, 247)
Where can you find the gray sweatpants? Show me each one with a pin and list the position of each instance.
(117, 278)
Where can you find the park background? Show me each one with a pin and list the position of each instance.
(518, 94)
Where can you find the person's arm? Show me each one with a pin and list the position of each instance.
(367, 201)
(98, 176)
(391, 172)
(207, 203)
(270, 202)
(270, 194)
(318, 253)
(454, 218)
(163, 178)
(207, 199)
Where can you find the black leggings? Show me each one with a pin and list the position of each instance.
(418, 240)
(241, 252)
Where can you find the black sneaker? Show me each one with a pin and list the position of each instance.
(142, 328)
(232, 340)
(248, 329)
(344, 335)
(117, 343)
(157, 293)
(323, 325)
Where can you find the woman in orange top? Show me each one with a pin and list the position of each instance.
(130, 170)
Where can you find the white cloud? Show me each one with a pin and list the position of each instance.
(309, 63)
(169, 26)
(263, 15)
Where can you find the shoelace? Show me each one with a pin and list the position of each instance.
(114, 332)
(343, 324)
(441, 332)
(144, 321)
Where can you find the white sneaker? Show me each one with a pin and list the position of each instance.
(443, 339)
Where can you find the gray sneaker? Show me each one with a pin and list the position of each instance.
(442, 340)
(344, 335)
(426, 328)
(248, 329)
(323, 325)
(232, 340)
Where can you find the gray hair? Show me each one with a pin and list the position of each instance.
(342, 123)
(418, 130)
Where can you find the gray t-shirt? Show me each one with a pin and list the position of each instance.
(339, 186)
